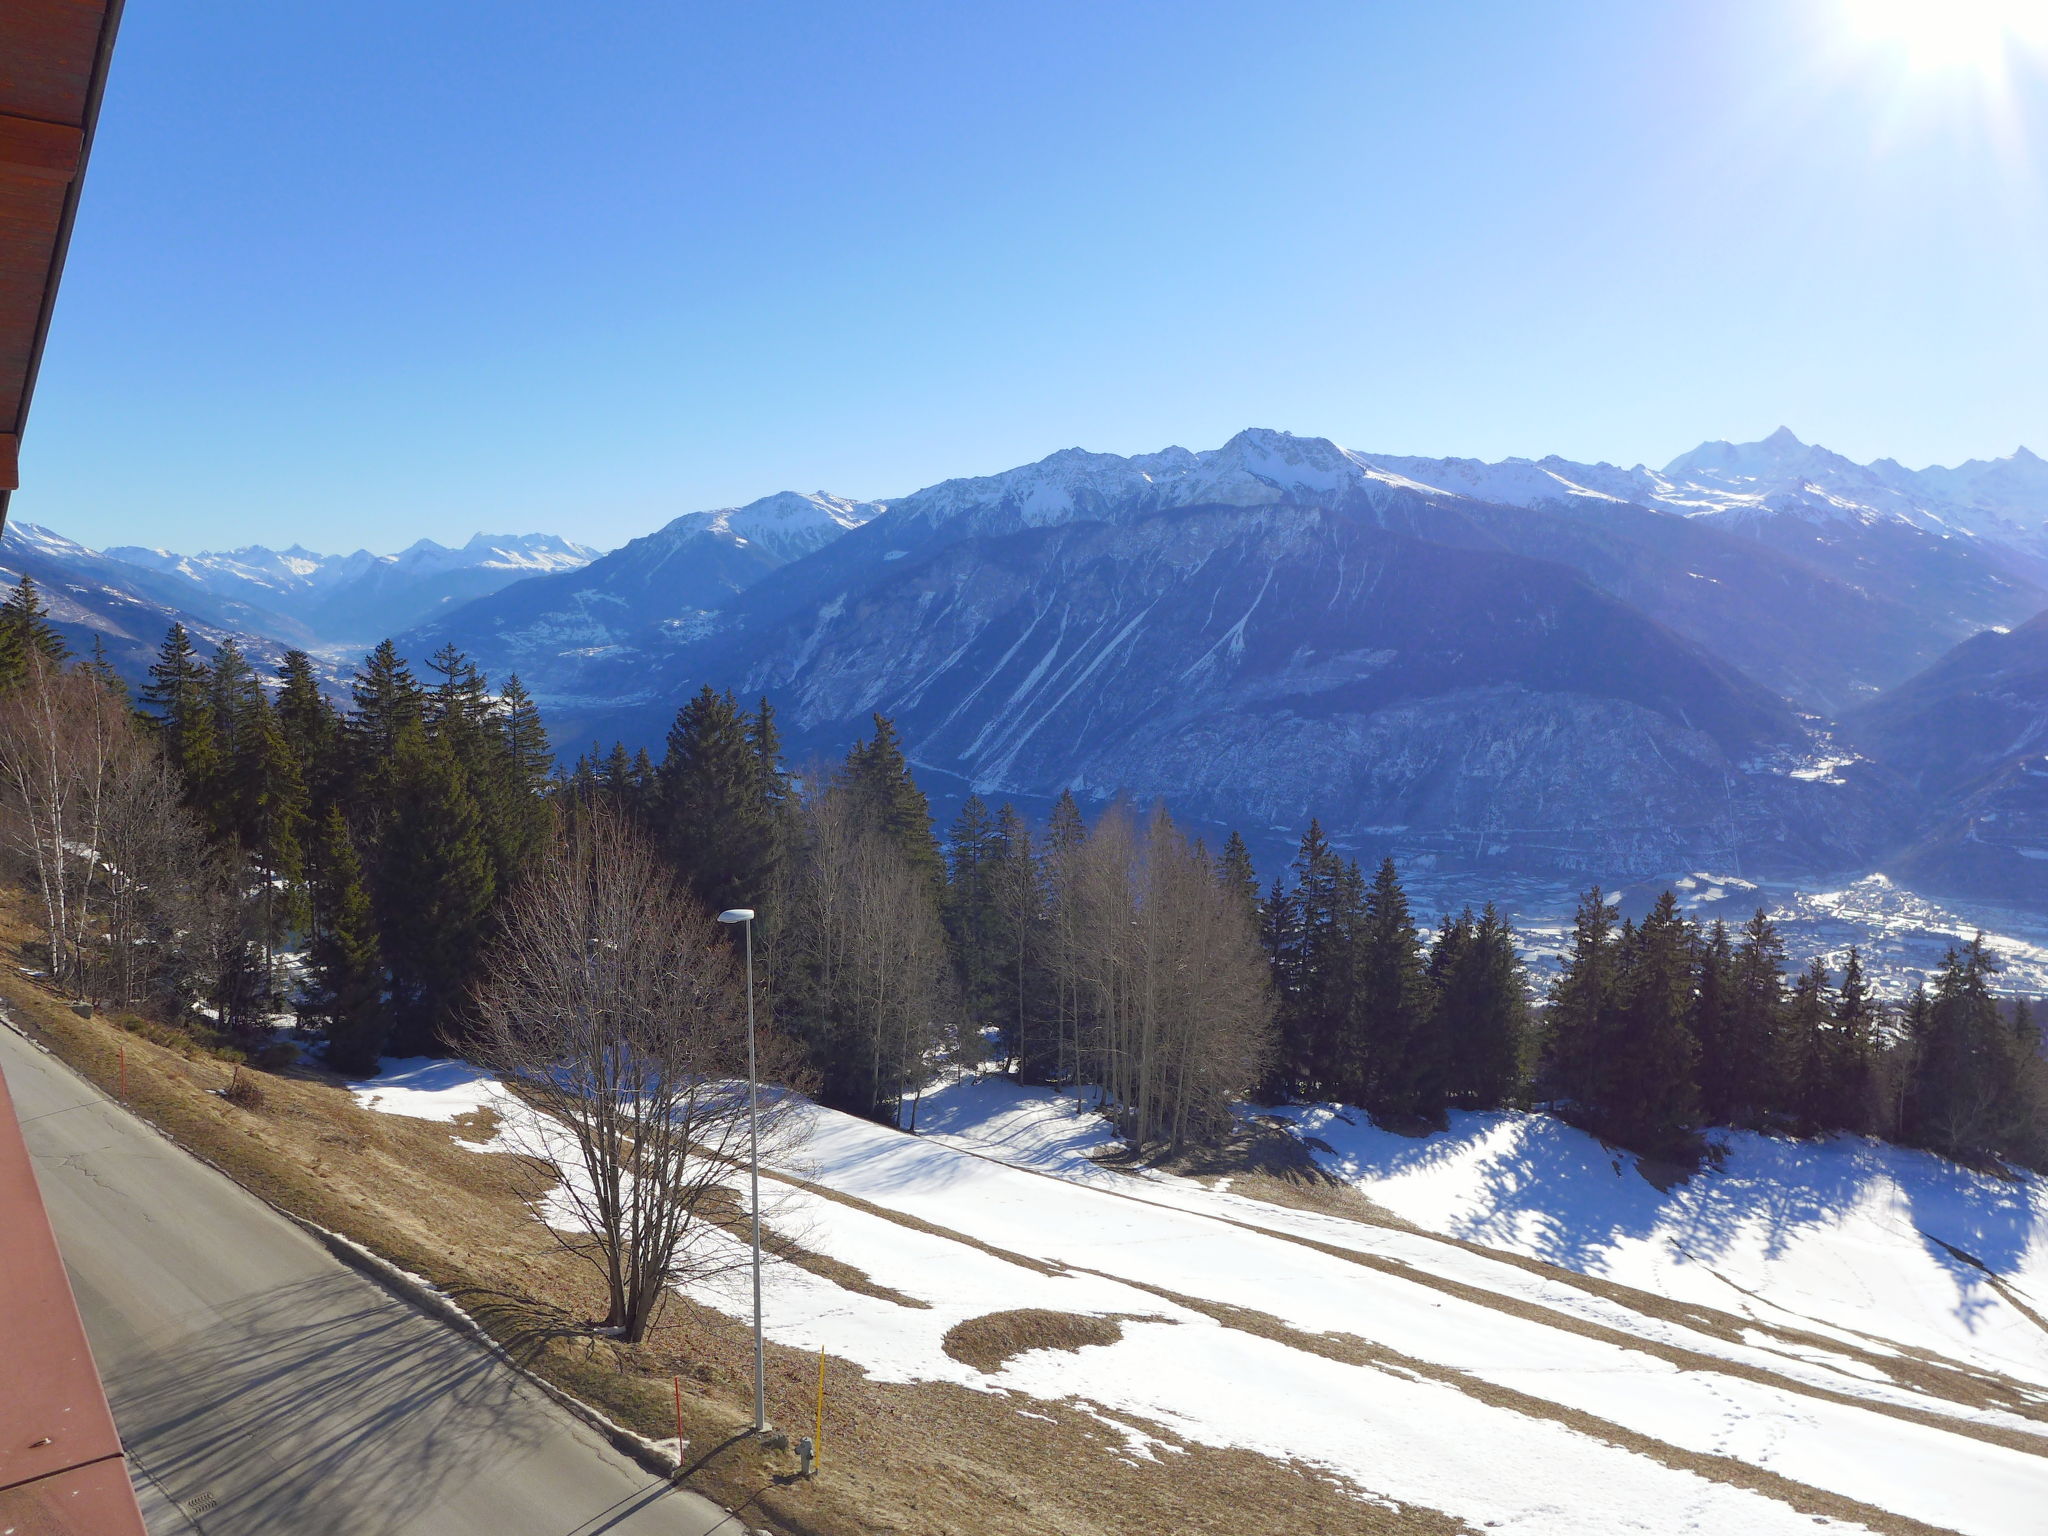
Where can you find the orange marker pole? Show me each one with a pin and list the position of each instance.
(124, 1070)
(818, 1438)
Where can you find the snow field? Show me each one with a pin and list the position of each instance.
(1010, 1168)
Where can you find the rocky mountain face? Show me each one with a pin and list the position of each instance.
(559, 631)
(1280, 628)
(1264, 665)
(1970, 736)
(361, 598)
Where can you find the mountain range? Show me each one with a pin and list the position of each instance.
(359, 599)
(1763, 658)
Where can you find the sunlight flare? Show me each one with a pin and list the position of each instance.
(1945, 35)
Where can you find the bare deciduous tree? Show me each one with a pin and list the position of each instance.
(93, 814)
(613, 1007)
(1173, 1002)
(864, 955)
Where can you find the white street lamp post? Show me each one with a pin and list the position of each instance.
(745, 917)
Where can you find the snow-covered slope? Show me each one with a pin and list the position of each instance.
(1523, 1332)
(129, 608)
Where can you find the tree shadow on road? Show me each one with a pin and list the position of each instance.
(321, 1407)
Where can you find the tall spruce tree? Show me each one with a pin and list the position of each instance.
(717, 807)
(1847, 1097)
(1748, 1076)
(27, 638)
(1238, 876)
(1396, 1060)
(973, 924)
(526, 737)
(1482, 1011)
(1312, 932)
(1650, 1099)
(345, 985)
(385, 699)
(1966, 1098)
(177, 697)
(434, 893)
(878, 776)
(1580, 1023)
(1809, 1045)
(311, 727)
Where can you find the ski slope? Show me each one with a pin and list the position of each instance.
(1532, 1338)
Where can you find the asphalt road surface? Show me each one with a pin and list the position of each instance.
(265, 1389)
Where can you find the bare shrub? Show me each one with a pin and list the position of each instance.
(244, 1092)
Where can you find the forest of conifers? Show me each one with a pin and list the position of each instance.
(226, 851)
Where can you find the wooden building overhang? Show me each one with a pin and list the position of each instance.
(53, 69)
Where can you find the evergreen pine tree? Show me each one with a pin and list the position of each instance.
(1065, 828)
(878, 776)
(1482, 1011)
(1970, 1068)
(1313, 933)
(972, 922)
(385, 699)
(274, 791)
(1809, 1045)
(1580, 1022)
(1238, 876)
(1749, 1075)
(434, 893)
(1651, 1099)
(1713, 998)
(345, 988)
(235, 704)
(177, 697)
(1849, 1100)
(526, 738)
(1397, 1058)
(27, 638)
(715, 816)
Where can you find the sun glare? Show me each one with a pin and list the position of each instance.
(1979, 35)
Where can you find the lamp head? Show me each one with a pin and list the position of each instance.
(737, 915)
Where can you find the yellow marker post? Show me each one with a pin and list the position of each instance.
(818, 1438)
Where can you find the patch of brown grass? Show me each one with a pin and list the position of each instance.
(987, 1341)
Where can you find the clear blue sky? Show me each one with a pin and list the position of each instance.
(354, 274)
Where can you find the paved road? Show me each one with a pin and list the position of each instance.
(265, 1389)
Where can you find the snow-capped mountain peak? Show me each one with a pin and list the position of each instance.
(785, 526)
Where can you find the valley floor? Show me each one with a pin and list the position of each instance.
(1504, 1326)
(1902, 933)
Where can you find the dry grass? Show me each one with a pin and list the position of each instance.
(987, 1341)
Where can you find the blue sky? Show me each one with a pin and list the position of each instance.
(357, 274)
